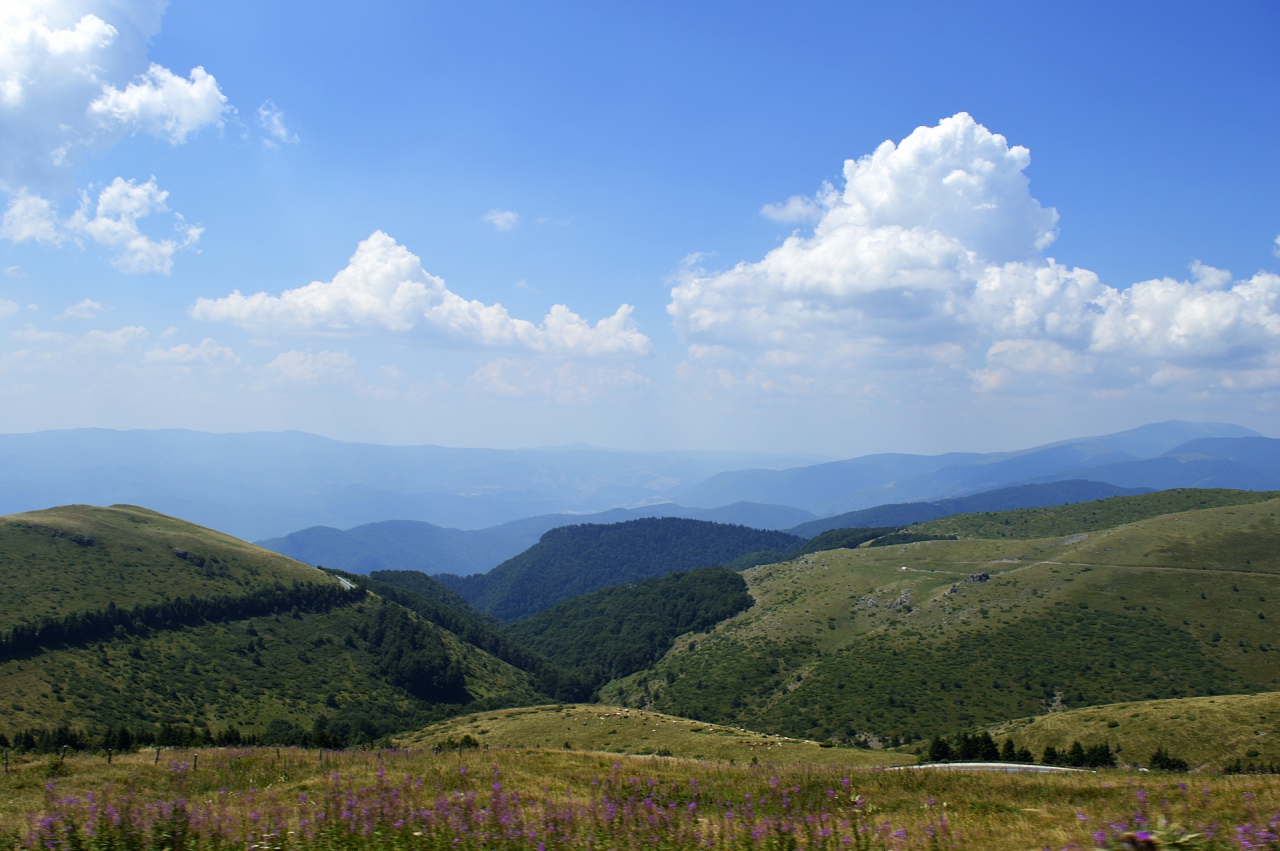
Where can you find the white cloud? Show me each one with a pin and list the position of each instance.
(385, 287)
(938, 242)
(208, 352)
(1276, 250)
(568, 382)
(7, 308)
(308, 367)
(271, 119)
(114, 225)
(800, 210)
(86, 309)
(62, 66)
(163, 104)
(502, 219)
(30, 217)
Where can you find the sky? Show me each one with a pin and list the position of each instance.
(835, 228)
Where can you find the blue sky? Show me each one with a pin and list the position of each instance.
(1074, 230)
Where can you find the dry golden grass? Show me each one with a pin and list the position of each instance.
(616, 730)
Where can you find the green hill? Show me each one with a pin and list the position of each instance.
(911, 640)
(1092, 516)
(574, 560)
(1239, 730)
(122, 616)
(616, 631)
(592, 727)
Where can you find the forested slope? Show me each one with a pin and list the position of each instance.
(124, 617)
(574, 560)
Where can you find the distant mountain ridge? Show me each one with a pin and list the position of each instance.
(415, 545)
(259, 485)
(1157, 456)
(1003, 499)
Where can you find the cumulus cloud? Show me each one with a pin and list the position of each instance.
(7, 308)
(30, 218)
(271, 120)
(163, 104)
(74, 76)
(112, 222)
(86, 309)
(385, 287)
(937, 241)
(502, 219)
(798, 209)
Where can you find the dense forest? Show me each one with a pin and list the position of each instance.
(574, 560)
(617, 631)
(473, 628)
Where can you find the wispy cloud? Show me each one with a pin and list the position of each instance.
(503, 220)
(86, 309)
(271, 120)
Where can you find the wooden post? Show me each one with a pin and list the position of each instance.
(63, 756)
(108, 756)
(157, 762)
(195, 761)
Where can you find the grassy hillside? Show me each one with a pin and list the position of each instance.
(1093, 516)
(616, 631)
(121, 616)
(78, 558)
(901, 641)
(574, 560)
(1001, 499)
(592, 727)
(1205, 731)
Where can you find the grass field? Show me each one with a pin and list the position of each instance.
(1094, 516)
(1208, 732)
(553, 799)
(898, 641)
(79, 557)
(611, 729)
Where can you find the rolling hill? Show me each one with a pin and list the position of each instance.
(1002, 499)
(592, 727)
(574, 560)
(123, 616)
(1238, 730)
(907, 641)
(415, 545)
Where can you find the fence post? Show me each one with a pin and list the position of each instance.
(157, 762)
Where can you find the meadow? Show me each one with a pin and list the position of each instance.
(551, 799)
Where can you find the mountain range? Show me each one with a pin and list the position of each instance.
(268, 485)
(1159, 455)
(265, 484)
(414, 545)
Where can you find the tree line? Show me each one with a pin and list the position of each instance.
(117, 622)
